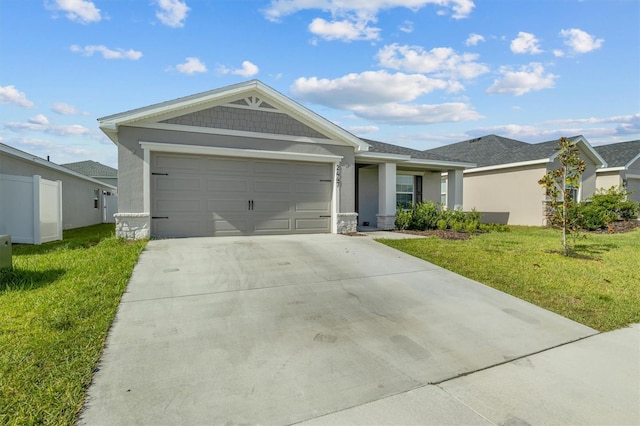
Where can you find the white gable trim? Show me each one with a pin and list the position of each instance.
(219, 97)
(633, 160)
(589, 150)
(240, 133)
(611, 169)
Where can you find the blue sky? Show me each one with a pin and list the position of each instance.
(417, 73)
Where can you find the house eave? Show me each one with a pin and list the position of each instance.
(48, 164)
(509, 165)
(611, 169)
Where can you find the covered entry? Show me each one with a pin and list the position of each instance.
(206, 195)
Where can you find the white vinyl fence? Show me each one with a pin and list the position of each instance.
(110, 206)
(30, 209)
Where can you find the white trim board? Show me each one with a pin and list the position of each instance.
(508, 166)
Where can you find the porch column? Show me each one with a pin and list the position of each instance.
(386, 216)
(454, 189)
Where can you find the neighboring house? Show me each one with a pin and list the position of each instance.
(247, 160)
(504, 185)
(93, 169)
(623, 167)
(82, 203)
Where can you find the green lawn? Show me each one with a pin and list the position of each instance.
(56, 307)
(599, 286)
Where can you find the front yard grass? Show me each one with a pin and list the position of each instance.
(599, 286)
(56, 307)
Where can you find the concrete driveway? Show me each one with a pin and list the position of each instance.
(286, 329)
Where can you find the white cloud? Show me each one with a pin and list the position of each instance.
(525, 43)
(474, 39)
(580, 41)
(527, 78)
(367, 88)
(278, 9)
(396, 113)
(363, 130)
(346, 30)
(380, 96)
(11, 95)
(172, 13)
(558, 53)
(441, 61)
(192, 66)
(40, 123)
(406, 27)
(80, 11)
(248, 69)
(65, 109)
(106, 52)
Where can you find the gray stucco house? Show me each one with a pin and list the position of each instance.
(623, 167)
(504, 185)
(247, 160)
(81, 201)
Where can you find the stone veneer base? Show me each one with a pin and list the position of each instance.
(387, 223)
(347, 223)
(132, 226)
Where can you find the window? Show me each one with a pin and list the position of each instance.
(96, 198)
(443, 191)
(404, 191)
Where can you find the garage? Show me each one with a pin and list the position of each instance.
(200, 195)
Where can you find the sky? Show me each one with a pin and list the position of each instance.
(416, 73)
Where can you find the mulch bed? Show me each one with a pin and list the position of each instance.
(617, 227)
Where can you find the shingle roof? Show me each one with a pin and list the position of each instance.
(492, 150)
(387, 148)
(619, 154)
(92, 169)
(484, 151)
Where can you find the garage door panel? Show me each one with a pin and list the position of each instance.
(226, 166)
(227, 185)
(215, 196)
(263, 225)
(177, 227)
(313, 206)
(178, 183)
(180, 206)
(273, 186)
(316, 225)
(227, 208)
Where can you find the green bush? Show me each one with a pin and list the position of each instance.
(471, 226)
(615, 200)
(457, 225)
(591, 217)
(424, 216)
(403, 218)
(442, 224)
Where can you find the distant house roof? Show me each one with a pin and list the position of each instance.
(92, 169)
(620, 154)
(8, 150)
(412, 156)
(493, 150)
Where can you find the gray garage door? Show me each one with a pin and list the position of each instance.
(217, 196)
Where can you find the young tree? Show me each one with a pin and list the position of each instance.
(559, 186)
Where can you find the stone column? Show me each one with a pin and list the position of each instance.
(386, 196)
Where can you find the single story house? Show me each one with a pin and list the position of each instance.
(504, 185)
(623, 167)
(95, 170)
(82, 196)
(247, 160)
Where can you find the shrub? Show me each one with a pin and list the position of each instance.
(457, 225)
(471, 226)
(403, 218)
(592, 217)
(442, 224)
(424, 216)
(615, 200)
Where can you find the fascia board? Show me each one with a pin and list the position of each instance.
(236, 152)
(381, 156)
(610, 169)
(636, 158)
(509, 165)
(453, 164)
